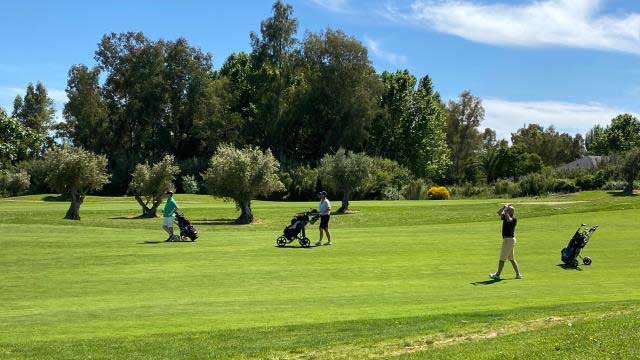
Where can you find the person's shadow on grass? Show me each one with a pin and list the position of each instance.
(486, 282)
(569, 267)
(297, 247)
(156, 242)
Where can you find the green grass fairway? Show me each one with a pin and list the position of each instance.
(403, 279)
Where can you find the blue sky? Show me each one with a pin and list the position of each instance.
(568, 63)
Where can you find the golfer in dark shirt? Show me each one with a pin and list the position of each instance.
(508, 215)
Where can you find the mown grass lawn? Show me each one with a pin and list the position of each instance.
(403, 279)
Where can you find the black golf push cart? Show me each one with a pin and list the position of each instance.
(296, 229)
(570, 254)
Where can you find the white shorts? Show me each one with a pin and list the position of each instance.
(168, 222)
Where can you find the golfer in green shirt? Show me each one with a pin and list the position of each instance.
(170, 208)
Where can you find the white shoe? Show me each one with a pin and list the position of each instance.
(329, 243)
(494, 276)
(519, 276)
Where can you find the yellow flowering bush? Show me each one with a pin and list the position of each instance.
(438, 193)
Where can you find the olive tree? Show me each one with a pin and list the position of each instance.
(242, 174)
(345, 172)
(631, 168)
(75, 172)
(150, 182)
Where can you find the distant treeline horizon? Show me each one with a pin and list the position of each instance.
(301, 97)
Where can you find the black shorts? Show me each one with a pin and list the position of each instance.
(324, 221)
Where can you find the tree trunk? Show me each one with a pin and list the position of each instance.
(628, 190)
(246, 216)
(148, 212)
(74, 209)
(345, 204)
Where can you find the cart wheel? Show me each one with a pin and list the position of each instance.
(575, 263)
(587, 260)
(281, 241)
(305, 242)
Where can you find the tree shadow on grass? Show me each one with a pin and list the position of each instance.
(62, 198)
(569, 267)
(215, 222)
(486, 282)
(621, 193)
(139, 217)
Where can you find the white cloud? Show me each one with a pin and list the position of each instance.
(333, 5)
(570, 23)
(58, 96)
(506, 116)
(387, 56)
(9, 92)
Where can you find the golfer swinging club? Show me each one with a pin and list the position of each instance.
(324, 210)
(508, 215)
(170, 208)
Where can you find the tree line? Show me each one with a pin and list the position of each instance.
(300, 98)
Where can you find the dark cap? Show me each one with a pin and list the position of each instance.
(169, 192)
(323, 193)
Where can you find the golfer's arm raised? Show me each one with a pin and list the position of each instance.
(501, 211)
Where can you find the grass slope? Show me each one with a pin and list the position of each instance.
(400, 274)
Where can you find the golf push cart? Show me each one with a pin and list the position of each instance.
(571, 253)
(296, 229)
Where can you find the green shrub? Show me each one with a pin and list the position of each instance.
(386, 174)
(37, 170)
(13, 182)
(564, 186)
(438, 193)
(599, 179)
(415, 190)
(507, 187)
(535, 184)
(300, 182)
(190, 184)
(469, 190)
(613, 185)
(193, 166)
(391, 193)
(586, 182)
(591, 182)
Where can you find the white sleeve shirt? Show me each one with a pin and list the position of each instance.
(324, 207)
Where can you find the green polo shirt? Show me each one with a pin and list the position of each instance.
(169, 207)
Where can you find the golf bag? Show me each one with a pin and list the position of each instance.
(187, 230)
(570, 254)
(296, 229)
